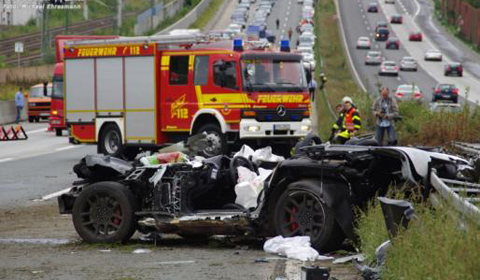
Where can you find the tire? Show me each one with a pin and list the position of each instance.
(111, 141)
(216, 140)
(31, 119)
(105, 213)
(455, 100)
(58, 132)
(301, 211)
(37, 119)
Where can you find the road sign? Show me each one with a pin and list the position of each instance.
(19, 47)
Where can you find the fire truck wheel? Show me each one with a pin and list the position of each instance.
(31, 119)
(58, 132)
(216, 140)
(105, 212)
(111, 141)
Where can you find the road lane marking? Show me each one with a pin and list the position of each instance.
(66, 148)
(55, 194)
(363, 16)
(398, 78)
(5, 159)
(368, 28)
(37, 130)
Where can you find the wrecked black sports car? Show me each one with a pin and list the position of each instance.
(313, 193)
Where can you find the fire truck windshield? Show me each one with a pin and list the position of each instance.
(273, 74)
(57, 87)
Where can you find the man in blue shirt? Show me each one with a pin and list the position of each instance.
(19, 103)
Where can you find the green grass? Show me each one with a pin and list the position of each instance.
(207, 14)
(434, 246)
(7, 92)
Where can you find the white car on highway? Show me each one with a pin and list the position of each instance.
(433, 55)
(388, 68)
(237, 28)
(408, 92)
(306, 41)
(373, 58)
(408, 63)
(308, 57)
(363, 43)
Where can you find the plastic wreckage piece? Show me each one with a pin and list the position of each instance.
(99, 166)
(373, 273)
(163, 158)
(397, 213)
(357, 257)
(314, 273)
(298, 248)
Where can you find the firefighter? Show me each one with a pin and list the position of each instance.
(351, 122)
(290, 34)
(340, 108)
(278, 23)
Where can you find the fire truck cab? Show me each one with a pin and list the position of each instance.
(147, 92)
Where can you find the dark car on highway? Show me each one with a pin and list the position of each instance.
(393, 43)
(453, 68)
(372, 8)
(445, 92)
(381, 24)
(398, 19)
(382, 34)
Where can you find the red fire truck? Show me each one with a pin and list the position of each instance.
(56, 119)
(146, 92)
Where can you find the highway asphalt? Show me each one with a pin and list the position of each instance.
(358, 22)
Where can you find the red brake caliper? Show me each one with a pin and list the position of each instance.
(116, 220)
(294, 225)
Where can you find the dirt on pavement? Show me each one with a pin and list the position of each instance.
(36, 242)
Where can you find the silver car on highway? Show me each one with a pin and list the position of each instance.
(373, 58)
(388, 68)
(433, 55)
(408, 63)
(363, 43)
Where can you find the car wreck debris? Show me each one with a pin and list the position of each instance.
(311, 194)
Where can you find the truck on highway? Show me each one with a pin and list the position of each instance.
(137, 93)
(56, 116)
(38, 102)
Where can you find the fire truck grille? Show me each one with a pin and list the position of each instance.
(271, 115)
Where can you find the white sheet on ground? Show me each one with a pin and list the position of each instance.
(297, 247)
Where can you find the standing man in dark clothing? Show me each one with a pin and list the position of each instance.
(385, 110)
(278, 23)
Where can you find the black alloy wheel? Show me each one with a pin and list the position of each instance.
(104, 213)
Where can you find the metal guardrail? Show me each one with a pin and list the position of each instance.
(452, 194)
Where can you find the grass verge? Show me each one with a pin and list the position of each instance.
(433, 247)
(207, 14)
